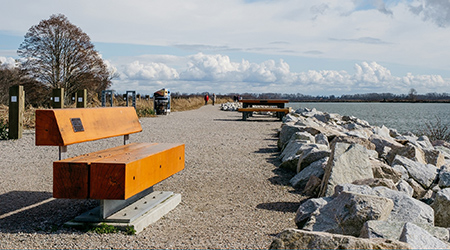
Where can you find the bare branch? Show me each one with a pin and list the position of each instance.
(59, 54)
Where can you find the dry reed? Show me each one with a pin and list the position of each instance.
(144, 108)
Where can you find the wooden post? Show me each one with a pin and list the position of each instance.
(81, 98)
(16, 110)
(58, 98)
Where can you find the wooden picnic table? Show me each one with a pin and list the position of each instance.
(255, 105)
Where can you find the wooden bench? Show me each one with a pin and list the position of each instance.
(279, 112)
(264, 105)
(117, 176)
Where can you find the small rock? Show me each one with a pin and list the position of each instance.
(441, 207)
(418, 238)
(301, 239)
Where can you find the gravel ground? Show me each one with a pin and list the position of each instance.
(233, 195)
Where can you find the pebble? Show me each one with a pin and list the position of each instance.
(230, 195)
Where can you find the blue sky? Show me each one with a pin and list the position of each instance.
(319, 47)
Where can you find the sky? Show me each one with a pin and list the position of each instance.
(320, 47)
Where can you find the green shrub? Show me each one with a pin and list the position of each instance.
(129, 230)
(3, 129)
(104, 228)
(145, 111)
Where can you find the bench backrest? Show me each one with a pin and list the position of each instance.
(262, 101)
(62, 127)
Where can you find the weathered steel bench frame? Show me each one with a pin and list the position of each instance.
(116, 176)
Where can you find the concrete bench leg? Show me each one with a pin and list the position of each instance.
(139, 214)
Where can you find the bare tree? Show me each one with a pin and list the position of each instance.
(412, 94)
(37, 94)
(60, 55)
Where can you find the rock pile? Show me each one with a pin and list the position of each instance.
(370, 187)
(230, 106)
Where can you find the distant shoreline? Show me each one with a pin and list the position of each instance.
(385, 101)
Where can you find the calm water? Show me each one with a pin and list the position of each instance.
(401, 116)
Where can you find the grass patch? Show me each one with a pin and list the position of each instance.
(145, 112)
(104, 228)
(129, 230)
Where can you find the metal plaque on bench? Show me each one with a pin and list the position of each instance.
(77, 124)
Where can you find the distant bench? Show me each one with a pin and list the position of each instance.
(279, 112)
(262, 105)
(117, 176)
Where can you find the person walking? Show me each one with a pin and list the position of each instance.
(213, 98)
(206, 99)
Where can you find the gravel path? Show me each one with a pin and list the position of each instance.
(233, 195)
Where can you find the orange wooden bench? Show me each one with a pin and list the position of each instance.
(117, 176)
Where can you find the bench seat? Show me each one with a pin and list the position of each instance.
(116, 173)
(265, 109)
(280, 112)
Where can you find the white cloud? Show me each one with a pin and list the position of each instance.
(110, 67)
(151, 71)
(218, 73)
(219, 68)
(432, 82)
(7, 62)
(209, 67)
(372, 73)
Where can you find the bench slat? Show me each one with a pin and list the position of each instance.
(70, 180)
(256, 101)
(123, 176)
(71, 175)
(54, 127)
(265, 109)
(116, 173)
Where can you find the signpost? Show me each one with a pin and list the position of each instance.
(80, 98)
(58, 98)
(16, 110)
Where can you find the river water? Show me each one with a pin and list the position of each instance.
(401, 116)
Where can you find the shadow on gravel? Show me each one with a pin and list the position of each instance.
(272, 155)
(227, 120)
(38, 212)
(282, 177)
(251, 120)
(287, 207)
(272, 150)
(275, 135)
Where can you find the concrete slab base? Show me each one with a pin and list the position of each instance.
(139, 214)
